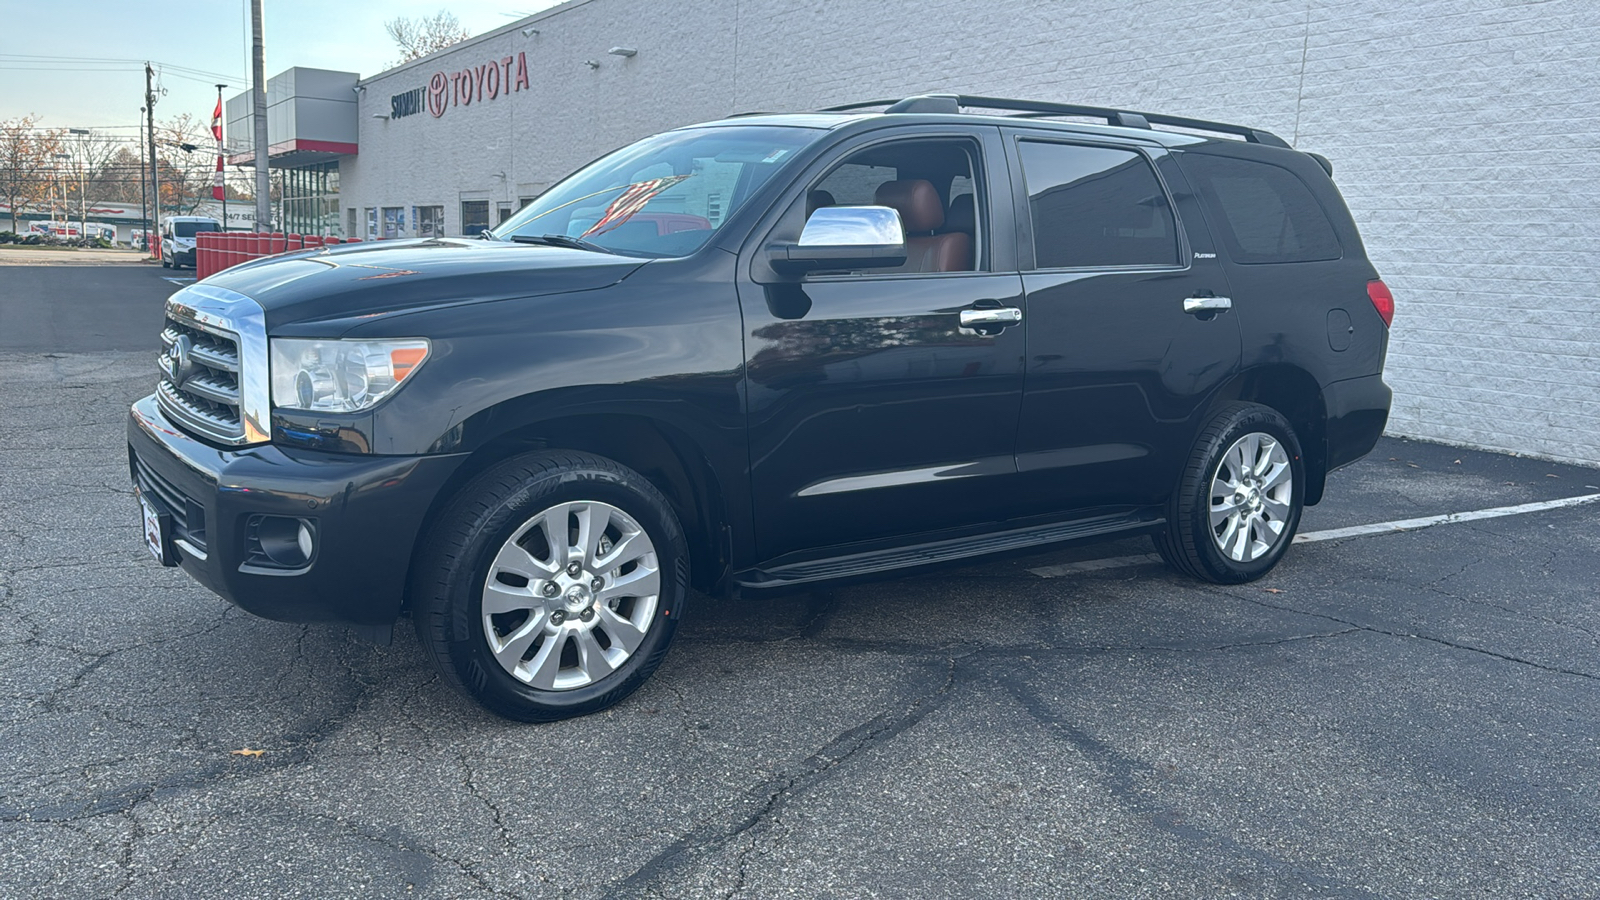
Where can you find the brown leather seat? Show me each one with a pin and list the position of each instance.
(921, 213)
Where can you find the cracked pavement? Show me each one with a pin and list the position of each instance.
(1402, 715)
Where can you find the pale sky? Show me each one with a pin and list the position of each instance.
(88, 80)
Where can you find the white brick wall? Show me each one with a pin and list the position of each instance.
(1463, 133)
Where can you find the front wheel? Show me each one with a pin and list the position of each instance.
(551, 587)
(1238, 503)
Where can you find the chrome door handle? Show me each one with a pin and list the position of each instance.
(1194, 305)
(1005, 315)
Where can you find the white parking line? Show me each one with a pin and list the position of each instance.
(1334, 534)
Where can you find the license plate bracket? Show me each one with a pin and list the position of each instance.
(157, 530)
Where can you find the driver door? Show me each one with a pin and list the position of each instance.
(873, 414)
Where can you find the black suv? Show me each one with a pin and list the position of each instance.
(768, 352)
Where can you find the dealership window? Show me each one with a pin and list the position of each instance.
(430, 221)
(474, 217)
(310, 200)
(394, 222)
(372, 223)
(503, 211)
(1096, 207)
(1269, 214)
(350, 229)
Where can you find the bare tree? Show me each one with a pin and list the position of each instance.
(186, 152)
(117, 179)
(27, 162)
(421, 36)
(93, 155)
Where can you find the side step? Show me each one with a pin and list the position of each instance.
(859, 565)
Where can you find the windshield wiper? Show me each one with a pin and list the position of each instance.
(561, 240)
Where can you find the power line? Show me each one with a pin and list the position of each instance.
(50, 60)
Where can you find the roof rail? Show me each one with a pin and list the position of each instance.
(1034, 109)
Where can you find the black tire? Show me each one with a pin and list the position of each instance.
(1190, 543)
(455, 561)
(166, 262)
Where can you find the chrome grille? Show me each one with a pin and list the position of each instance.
(199, 386)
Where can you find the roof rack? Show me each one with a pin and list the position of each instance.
(1034, 109)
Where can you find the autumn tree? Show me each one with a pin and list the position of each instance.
(27, 162)
(419, 37)
(186, 154)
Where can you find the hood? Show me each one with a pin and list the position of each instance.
(368, 279)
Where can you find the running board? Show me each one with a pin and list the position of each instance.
(949, 550)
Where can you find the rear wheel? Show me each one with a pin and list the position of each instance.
(552, 586)
(1238, 503)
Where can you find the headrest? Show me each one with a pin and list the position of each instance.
(915, 200)
(963, 215)
(816, 200)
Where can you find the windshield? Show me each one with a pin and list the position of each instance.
(663, 196)
(190, 229)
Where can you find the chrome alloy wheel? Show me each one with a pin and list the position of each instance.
(1252, 495)
(571, 595)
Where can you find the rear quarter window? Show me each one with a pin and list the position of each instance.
(1263, 213)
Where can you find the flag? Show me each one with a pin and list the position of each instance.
(216, 120)
(632, 200)
(216, 182)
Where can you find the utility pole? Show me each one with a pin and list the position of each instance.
(258, 90)
(144, 208)
(83, 201)
(150, 137)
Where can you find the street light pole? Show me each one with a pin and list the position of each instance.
(66, 209)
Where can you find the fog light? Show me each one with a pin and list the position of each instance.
(281, 542)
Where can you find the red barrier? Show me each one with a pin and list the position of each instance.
(202, 255)
(216, 251)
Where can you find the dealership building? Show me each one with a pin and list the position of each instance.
(1462, 136)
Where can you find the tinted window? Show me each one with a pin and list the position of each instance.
(1095, 207)
(1267, 214)
(190, 229)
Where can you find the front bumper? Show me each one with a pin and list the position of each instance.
(365, 513)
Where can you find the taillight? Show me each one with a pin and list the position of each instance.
(1382, 300)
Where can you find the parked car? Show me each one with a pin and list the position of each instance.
(178, 238)
(907, 337)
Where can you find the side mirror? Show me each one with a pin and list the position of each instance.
(844, 237)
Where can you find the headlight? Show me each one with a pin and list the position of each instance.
(340, 376)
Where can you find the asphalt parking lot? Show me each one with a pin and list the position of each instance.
(1406, 713)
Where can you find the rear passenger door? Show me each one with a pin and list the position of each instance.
(1112, 245)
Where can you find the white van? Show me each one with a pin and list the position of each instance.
(177, 238)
